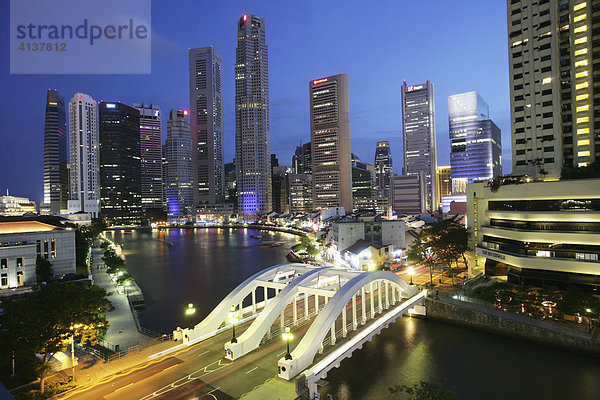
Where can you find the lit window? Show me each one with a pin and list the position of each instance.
(546, 80)
(581, 40)
(580, 17)
(580, 52)
(582, 131)
(582, 97)
(581, 63)
(583, 142)
(581, 120)
(518, 42)
(582, 28)
(583, 108)
(579, 6)
(581, 85)
(585, 153)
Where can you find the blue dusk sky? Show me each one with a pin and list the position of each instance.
(460, 45)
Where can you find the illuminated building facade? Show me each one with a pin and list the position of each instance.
(84, 146)
(476, 151)
(252, 120)
(330, 142)
(151, 156)
(301, 160)
(418, 134)
(538, 232)
(444, 181)
(300, 186)
(383, 167)
(179, 168)
(206, 124)
(120, 164)
(56, 181)
(553, 61)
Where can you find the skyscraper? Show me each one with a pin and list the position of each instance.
(252, 121)
(383, 167)
(418, 134)
(206, 122)
(476, 150)
(444, 181)
(301, 160)
(84, 148)
(553, 55)
(178, 151)
(330, 141)
(120, 164)
(150, 156)
(56, 184)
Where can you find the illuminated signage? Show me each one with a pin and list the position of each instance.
(185, 113)
(414, 88)
(110, 105)
(245, 17)
(316, 82)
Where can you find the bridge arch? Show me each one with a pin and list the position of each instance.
(218, 315)
(304, 353)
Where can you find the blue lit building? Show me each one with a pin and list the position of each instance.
(476, 151)
(179, 170)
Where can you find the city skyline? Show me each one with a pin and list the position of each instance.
(374, 97)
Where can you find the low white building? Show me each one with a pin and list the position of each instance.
(20, 244)
(537, 232)
(376, 230)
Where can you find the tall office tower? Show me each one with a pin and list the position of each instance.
(231, 184)
(164, 177)
(300, 186)
(330, 142)
(418, 131)
(476, 150)
(206, 122)
(301, 160)
(56, 184)
(252, 120)
(84, 145)
(281, 190)
(180, 173)
(553, 76)
(444, 181)
(120, 164)
(383, 167)
(151, 157)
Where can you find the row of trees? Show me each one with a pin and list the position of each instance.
(115, 265)
(443, 243)
(45, 321)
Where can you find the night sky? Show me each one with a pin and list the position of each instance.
(459, 45)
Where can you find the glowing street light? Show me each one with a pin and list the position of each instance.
(189, 312)
(411, 272)
(589, 311)
(287, 336)
(233, 319)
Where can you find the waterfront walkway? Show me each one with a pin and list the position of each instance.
(123, 330)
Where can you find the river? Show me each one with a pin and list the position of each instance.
(202, 266)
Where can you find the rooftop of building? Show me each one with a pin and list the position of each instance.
(26, 227)
(361, 245)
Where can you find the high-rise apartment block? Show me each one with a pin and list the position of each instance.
(151, 156)
(180, 174)
(418, 131)
(206, 122)
(84, 146)
(553, 61)
(56, 184)
(383, 167)
(120, 164)
(252, 120)
(476, 150)
(330, 142)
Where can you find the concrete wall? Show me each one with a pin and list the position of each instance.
(516, 326)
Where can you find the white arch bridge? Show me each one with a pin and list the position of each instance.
(341, 299)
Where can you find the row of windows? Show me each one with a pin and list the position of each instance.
(547, 225)
(551, 250)
(546, 205)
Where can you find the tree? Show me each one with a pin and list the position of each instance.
(421, 252)
(423, 391)
(43, 269)
(43, 322)
(113, 262)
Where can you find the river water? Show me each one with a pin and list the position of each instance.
(202, 266)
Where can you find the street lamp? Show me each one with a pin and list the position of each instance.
(233, 318)
(189, 312)
(287, 336)
(589, 311)
(411, 272)
(73, 327)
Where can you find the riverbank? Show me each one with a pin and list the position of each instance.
(257, 227)
(475, 316)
